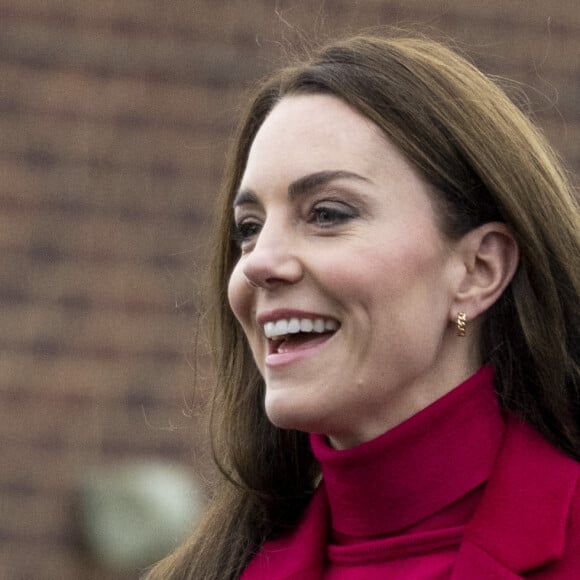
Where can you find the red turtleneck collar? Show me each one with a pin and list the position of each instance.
(417, 468)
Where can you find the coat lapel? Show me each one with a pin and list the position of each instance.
(521, 521)
(474, 564)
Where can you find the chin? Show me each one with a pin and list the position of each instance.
(286, 414)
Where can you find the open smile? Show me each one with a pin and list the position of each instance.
(292, 338)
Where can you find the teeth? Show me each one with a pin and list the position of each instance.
(283, 327)
(293, 326)
(319, 325)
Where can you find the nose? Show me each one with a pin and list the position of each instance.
(274, 259)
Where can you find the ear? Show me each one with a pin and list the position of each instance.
(490, 257)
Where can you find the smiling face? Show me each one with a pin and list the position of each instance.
(345, 284)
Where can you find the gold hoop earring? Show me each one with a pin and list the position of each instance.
(461, 323)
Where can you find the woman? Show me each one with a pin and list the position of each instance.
(396, 329)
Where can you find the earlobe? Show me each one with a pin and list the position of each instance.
(490, 254)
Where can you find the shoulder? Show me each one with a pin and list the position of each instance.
(568, 566)
(529, 517)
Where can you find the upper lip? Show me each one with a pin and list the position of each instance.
(287, 313)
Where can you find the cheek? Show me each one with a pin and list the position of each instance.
(239, 295)
(398, 273)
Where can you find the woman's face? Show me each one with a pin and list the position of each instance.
(345, 284)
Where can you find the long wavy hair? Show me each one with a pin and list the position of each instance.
(485, 161)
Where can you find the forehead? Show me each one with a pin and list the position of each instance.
(309, 133)
(321, 113)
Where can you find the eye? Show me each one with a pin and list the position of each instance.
(330, 214)
(245, 231)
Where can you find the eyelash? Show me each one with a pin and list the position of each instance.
(334, 215)
(244, 231)
(323, 216)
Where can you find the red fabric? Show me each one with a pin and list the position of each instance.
(451, 493)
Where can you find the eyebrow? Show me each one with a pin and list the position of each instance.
(301, 187)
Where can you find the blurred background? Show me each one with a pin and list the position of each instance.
(114, 120)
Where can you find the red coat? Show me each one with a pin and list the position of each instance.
(527, 524)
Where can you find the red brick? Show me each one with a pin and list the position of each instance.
(108, 190)
(78, 95)
(80, 143)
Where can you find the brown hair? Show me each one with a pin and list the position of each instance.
(485, 161)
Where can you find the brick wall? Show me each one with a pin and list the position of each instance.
(114, 119)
